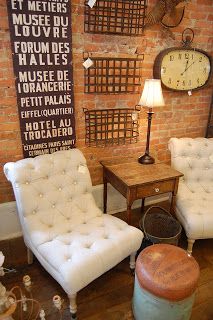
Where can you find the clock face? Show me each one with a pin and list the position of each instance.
(183, 69)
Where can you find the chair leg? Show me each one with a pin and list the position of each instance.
(190, 246)
(29, 256)
(73, 305)
(132, 262)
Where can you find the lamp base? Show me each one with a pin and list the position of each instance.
(146, 159)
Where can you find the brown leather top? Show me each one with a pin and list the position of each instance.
(167, 271)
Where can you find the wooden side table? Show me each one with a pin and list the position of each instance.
(136, 181)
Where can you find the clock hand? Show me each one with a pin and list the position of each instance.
(187, 62)
(188, 67)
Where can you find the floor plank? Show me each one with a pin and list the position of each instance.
(109, 296)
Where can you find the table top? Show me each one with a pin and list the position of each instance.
(132, 173)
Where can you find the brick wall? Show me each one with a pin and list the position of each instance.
(182, 115)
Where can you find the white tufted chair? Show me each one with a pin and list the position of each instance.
(73, 240)
(194, 205)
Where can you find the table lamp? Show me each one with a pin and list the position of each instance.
(151, 97)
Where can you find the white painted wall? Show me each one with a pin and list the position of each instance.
(10, 227)
(9, 223)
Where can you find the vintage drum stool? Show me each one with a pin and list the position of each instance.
(165, 281)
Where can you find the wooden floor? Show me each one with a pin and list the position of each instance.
(109, 297)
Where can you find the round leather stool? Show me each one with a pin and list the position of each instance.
(165, 281)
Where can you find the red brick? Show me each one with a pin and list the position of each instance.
(181, 116)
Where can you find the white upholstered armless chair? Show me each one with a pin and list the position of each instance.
(70, 236)
(194, 205)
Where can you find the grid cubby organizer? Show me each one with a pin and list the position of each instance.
(113, 75)
(111, 126)
(124, 17)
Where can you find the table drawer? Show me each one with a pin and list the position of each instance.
(155, 188)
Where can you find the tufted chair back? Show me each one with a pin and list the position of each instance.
(51, 190)
(61, 223)
(194, 158)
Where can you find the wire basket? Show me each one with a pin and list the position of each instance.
(111, 126)
(123, 17)
(160, 227)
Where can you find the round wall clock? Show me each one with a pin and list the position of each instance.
(183, 68)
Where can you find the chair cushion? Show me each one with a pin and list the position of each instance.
(89, 250)
(194, 158)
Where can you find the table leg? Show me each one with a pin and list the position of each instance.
(172, 204)
(105, 194)
(129, 201)
(173, 200)
(142, 205)
(129, 211)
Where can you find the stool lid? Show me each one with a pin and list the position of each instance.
(167, 271)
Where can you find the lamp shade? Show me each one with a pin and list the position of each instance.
(152, 94)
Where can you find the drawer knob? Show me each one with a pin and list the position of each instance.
(157, 189)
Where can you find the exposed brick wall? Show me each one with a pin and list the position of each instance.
(182, 116)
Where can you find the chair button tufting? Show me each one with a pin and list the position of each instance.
(59, 189)
(27, 182)
(53, 206)
(34, 211)
(40, 195)
(75, 182)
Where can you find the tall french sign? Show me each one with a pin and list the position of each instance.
(41, 44)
